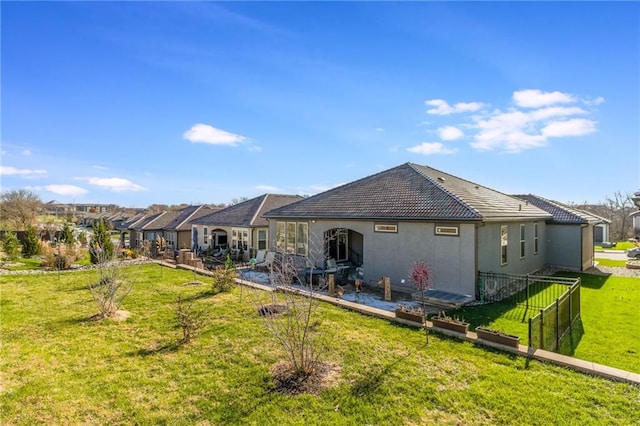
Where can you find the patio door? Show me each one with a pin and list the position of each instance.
(338, 245)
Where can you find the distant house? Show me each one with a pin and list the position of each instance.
(635, 217)
(571, 233)
(138, 232)
(177, 232)
(242, 225)
(384, 222)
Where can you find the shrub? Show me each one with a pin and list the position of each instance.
(10, 246)
(189, 319)
(59, 257)
(31, 245)
(67, 234)
(101, 245)
(223, 279)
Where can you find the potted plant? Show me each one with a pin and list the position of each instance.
(498, 336)
(448, 323)
(410, 313)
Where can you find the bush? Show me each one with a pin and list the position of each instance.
(31, 245)
(224, 279)
(101, 245)
(188, 319)
(58, 257)
(10, 246)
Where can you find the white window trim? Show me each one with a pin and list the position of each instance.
(523, 246)
(449, 230)
(504, 242)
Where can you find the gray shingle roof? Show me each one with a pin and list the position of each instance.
(411, 192)
(248, 213)
(561, 213)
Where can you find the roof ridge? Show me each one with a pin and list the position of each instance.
(190, 216)
(255, 215)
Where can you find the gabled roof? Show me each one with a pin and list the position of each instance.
(146, 220)
(562, 213)
(184, 216)
(411, 192)
(160, 223)
(247, 214)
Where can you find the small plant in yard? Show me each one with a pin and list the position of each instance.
(224, 279)
(421, 277)
(189, 319)
(101, 244)
(67, 234)
(111, 287)
(10, 246)
(31, 245)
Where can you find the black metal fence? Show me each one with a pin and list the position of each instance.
(551, 324)
(557, 298)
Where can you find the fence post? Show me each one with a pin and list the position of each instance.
(527, 282)
(557, 325)
(530, 334)
(542, 329)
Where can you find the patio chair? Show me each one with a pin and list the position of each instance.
(268, 260)
(259, 257)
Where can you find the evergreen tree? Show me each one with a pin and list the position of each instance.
(10, 246)
(67, 234)
(101, 245)
(31, 245)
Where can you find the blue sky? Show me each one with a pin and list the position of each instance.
(136, 103)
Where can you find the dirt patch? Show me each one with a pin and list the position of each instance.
(324, 375)
(269, 310)
(193, 283)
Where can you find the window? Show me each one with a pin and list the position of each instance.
(239, 238)
(535, 238)
(504, 240)
(205, 236)
(293, 237)
(280, 235)
(171, 239)
(447, 230)
(301, 239)
(522, 244)
(385, 227)
(262, 239)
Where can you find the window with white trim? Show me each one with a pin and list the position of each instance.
(205, 236)
(293, 237)
(385, 227)
(262, 239)
(453, 231)
(535, 238)
(171, 239)
(504, 244)
(239, 238)
(522, 241)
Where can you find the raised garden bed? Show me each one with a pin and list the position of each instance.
(450, 324)
(498, 337)
(410, 314)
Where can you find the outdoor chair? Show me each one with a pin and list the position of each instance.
(268, 260)
(259, 257)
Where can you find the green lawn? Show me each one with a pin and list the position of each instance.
(609, 332)
(620, 245)
(59, 367)
(612, 262)
(23, 264)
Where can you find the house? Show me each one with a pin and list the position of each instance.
(137, 227)
(384, 222)
(571, 233)
(635, 217)
(177, 232)
(242, 225)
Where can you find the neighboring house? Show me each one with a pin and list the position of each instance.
(125, 229)
(137, 234)
(239, 226)
(385, 222)
(635, 217)
(177, 232)
(570, 233)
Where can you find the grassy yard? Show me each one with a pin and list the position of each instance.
(620, 245)
(610, 331)
(59, 367)
(612, 262)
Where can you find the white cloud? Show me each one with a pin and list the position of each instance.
(450, 133)
(379, 129)
(114, 184)
(8, 170)
(204, 133)
(26, 152)
(267, 188)
(100, 167)
(443, 108)
(66, 189)
(535, 98)
(594, 102)
(573, 127)
(431, 148)
(255, 148)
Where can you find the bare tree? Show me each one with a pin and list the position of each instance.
(19, 208)
(235, 201)
(111, 286)
(620, 206)
(291, 318)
